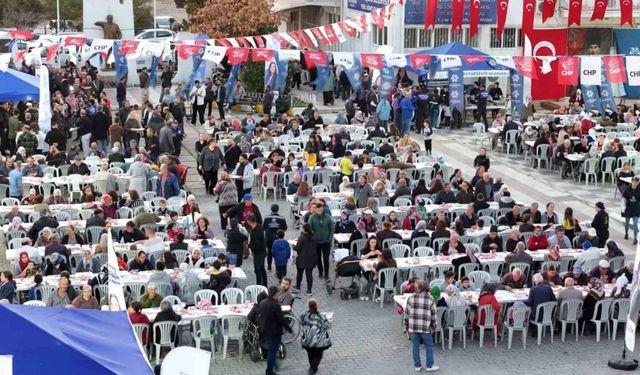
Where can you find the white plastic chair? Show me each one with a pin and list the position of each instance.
(442, 322)
(516, 319)
(422, 251)
(15, 243)
(542, 155)
(269, 182)
(187, 292)
(232, 329)
(489, 323)
(420, 242)
(142, 334)
(590, 169)
(619, 317)
(544, 318)
(173, 300)
(421, 272)
(440, 269)
(402, 202)
(319, 189)
(437, 244)
(137, 289)
(162, 336)
(202, 331)
(569, 313)
(480, 133)
(400, 250)
(601, 314)
(35, 303)
(389, 242)
(46, 291)
(251, 292)
(457, 321)
(206, 295)
(387, 279)
(231, 296)
(466, 268)
(478, 278)
(494, 268)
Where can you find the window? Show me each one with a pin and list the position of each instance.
(456, 36)
(471, 42)
(425, 38)
(440, 36)
(410, 37)
(333, 18)
(380, 36)
(511, 38)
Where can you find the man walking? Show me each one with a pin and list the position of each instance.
(221, 95)
(258, 249)
(197, 99)
(211, 158)
(272, 324)
(601, 224)
(421, 323)
(322, 229)
(272, 224)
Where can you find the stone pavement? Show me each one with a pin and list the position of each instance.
(368, 339)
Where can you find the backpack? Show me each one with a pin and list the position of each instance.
(314, 334)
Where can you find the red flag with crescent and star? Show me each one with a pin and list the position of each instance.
(548, 9)
(350, 31)
(21, 34)
(575, 12)
(431, 7)
(501, 10)
(528, 13)
(474, 17)
(599, 9)
(457, 14)
(626, 12)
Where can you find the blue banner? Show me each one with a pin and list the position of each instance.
(231, 82)
(153, 73)
(414, 12)
(606, 95)
(122, 68)
(355, 74)
(322, 73)
(592, 100)
(198, 72)
(628, 44)
(517, 91)
(366, 5)
(387, 80)
(456, 89)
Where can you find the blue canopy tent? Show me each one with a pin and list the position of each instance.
(70, 341)
(470, 69)
(17, 86)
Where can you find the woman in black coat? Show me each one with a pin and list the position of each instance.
(235, 240)
(307, 258)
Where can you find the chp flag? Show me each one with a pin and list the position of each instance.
(590, 70)
(633, 70)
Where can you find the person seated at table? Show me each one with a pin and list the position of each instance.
(88, 263)
(86, 300)
(98, 218)
(370, 222)
(32, 168)
(56, 198)
(540, 293)
(163, 210)
(569, 293)
(379, 190)
(469, 257)
(60, 298)
(385, 260)
(140, 262)
(480, 203)
(482, 160)
(518, 255)
(603, 272)
(487, 297)
(15, 223)
(527, 224)
(538, 240)
(561, 152)
(560, 239)
(131, 234)
(78, 167)
(435, 186)
(7, 287)
(440, 231)
(445, 195)
(452, 246)
(108, 208)
(595, 293)
(29, 199)
(344, 224)
(219, 279)
(372, 204)
(371, 249)
(515, 279)
(410, 221)
(89, 196)
(620, 290)
(551, 276)
(387, 233)
(132, 200)
(195, 259)
(464, 194)
(536, 216)
(137, 317)
(190, 207)
(549, 217)
(159, 276)
(173, 230)
(440, 216)
(344, 186)
(151, 298)
(44, 238)
(25, 267)
(170, 260)
(505, 200)
(455, 299)
(513, 217)
(201, 230)
(55, 264)
(492, 243)
(421, 188)
(512, 241)
(627, 271)
(582, 147)
(178, 243)
(420, 231)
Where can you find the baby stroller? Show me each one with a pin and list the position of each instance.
(348, 266)
(256, 346)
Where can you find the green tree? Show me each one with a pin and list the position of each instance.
(142, 15)
(70, 10)
(21, 14)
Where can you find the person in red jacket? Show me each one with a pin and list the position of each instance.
(538, 240)
(487, 297)
(137, 317)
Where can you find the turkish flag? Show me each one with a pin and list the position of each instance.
(21, 34)
(501, 12)
(244, 42)
(350, 31)
(470, 60)
(457, 14)
(548, 9)
(128, 47)
(575, 12)
(378, 17)
(548, 42)
(259, 41)
(615, 68)
(373, 60)
(304, 38)
(474, 17)
(313, 58)
(77, 41)
(599, 9)
(568, 70)
(279, 39)
(362, 22)
(261, 54)
(418, 60)
(316, 31)
(18, 56)
(223, 42)
(51, 51)
(297, 38)
(626, 12)
(528, 12)
(430, 9)
(237, 55)
(331, 34)
(526, 66)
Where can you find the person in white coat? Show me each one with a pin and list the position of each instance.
(244, 170)
(139, 172)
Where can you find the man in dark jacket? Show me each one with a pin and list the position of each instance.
(272, 323)
(632, 210)
(445, 195)
(44, 221)
(220, 97)
(540, 293)
(55, 136)
(485, 186)
(242, 211)
(267, 100)
(492, 243)
(100, 131)
(272, 224)
(121, 91)
(209, 163)
(258, 249)
(601, 224)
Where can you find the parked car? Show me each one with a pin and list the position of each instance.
(156, 34)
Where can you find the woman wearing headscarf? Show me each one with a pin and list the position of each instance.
(86, 300)
(621, 290)
(186, 276)
(487, 297)
(194, 260)
(469, 257)
(140, 262)
(26, 266)
(55, 264)
(44, 238)
(421, 230)
(344, 225)
(410, 221)
(167, 314)
(88, 263)
(454, 298)
(436, 293)
(613, 250)
(16, 224)
(140, 173)
(595, 294)
(227, 196)
(358, 119)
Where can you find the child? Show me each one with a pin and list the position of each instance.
(465, 284)
(34, 291)
(281, 251)
(427, 132)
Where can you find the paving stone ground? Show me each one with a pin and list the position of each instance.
(368, 339)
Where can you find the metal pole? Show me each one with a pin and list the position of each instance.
(58, 17)
(155, 31)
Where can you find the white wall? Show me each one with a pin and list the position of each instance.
(97, 10)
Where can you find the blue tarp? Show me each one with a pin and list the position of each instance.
(459, 49)
(16, 86)
(50, 340)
